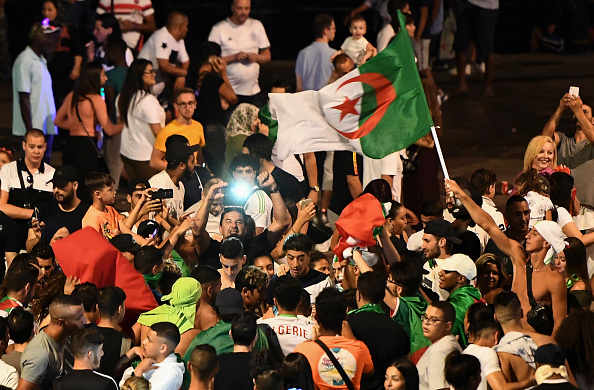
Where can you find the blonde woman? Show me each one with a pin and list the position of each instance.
(136, 383)
(541, 154)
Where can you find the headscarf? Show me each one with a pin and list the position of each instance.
(241, 120)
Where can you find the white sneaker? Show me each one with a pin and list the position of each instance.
(479, 67)
(454, 71)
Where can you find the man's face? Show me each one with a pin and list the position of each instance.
(34, 149)
(64, 195)
(183, 29)
(265, 264)
(216, 207)
(46, 266)
(298, 263)
(76, 320)
(518, 216)
(233, 225)
(430, 246)
(186, 105)
(101, 34)
(345, 67)
(588, 112)
(245, 175)
(448, 280)
(534, 241)
(330, 32)
(135, 198)
(189, 168)
(151, 346)
(231, 267)
(255, 297)
(240, 11)
(108, 194)
(439, 328)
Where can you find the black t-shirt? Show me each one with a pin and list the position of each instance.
(193, 186)
(84, 379)
(288, 185)
(415, 8)
(312, 277)
(345, 164)
(208, 102)
(470, 246)
(386, 340)
(399, 244)
(9, 241)
(112, 348)
(211, 256)
(506, 261)
(55, 218)
(234, 372)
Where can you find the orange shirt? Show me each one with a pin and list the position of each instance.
(353, 356)
(106, 223)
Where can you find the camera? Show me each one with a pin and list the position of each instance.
(162, 193)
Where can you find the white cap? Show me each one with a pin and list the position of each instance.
(459, 263)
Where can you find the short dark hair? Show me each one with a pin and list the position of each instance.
(482, 179)
(86, 339)
(43, 251)
(230, 209)
(447, 309)
(252, 278)
(110, 300)
(283, 83)
(168, 332)
(88, 294)
(204, 361)
(514, 199)
(3, 328)
(372, 286)
(243, 160)
(243, 329)
(269, 380)
(35, 133)
(287, 291)
(331, 307)
(432, 208)
(481, 320)
(256, 253)
(298, 242)
(108, 20)
(358, 18)
(259, 146)
(232, 248)
(181, 91)
(340, 59)
(315, 256)
(507, 305)
(96, 181)
(20, 325)
(460, 368)
(19, 275)
(205, 274)
(305, 305)
(146, 258)
(24, 258)
(407, 275)
(320, 23)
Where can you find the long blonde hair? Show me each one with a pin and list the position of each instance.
(534, 147)
(136, 383)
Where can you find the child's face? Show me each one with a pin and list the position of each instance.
(108, 195)
(358, 29)
(411, 29)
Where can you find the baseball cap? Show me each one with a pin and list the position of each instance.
(147, 227)
(543, 184)
(125, 243)
(442, 228)
(549, 354)
(229, 301)
(64, 175)
(459, 263)
(178, 151)
(138, 185)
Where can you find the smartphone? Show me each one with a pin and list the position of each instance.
(35, 214)
(305, 202)
(574, 91)
(162, 193)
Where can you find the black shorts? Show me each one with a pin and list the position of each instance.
(477, 25)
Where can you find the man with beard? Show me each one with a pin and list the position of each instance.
(180, 165)
(87, 348)
(65, 210)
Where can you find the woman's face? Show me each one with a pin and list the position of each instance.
(560, 262)
(148, 78)
(545, 157)
(488, 276)
(399, 222)
(49, 11)
(101, 34)
(103, 77)
(394, 379)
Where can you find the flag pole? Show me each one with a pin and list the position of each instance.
(439, 153)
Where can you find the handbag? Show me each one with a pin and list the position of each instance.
(337, 365)
(101, 163)
(540, 316)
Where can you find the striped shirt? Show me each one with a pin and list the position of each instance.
(134, 10)
(259, 207)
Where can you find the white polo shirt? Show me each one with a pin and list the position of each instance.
(30, 75)
(9, 178)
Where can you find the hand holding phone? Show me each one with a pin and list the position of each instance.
(574, 91)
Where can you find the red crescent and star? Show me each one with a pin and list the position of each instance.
(384, 95)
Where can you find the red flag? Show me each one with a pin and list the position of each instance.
(90, 257)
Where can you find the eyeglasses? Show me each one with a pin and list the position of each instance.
(151, 72)
(430, 321)
(187, 104)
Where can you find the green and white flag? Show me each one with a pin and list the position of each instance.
(377, 109)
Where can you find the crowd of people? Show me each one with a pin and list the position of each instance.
(237, 251)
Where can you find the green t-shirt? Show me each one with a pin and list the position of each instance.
(115, 80)
(461, 298)
(409, 316)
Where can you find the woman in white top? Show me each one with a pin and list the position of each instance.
(144, 118)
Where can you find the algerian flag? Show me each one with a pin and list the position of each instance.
(377, 109)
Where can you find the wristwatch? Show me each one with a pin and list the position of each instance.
(314, 188)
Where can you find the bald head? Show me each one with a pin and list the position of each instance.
(177, 25)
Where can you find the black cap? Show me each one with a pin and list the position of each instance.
(442, 228)
(64, 175)
(549, 354)
(125, 243)
(147, 228)
(138, 185)
(178, 152)
(229, 301)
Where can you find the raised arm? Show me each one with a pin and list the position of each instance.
(551, 126)
(201, 237)
(575, 104)
(281, 219)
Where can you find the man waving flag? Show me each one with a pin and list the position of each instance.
(377, 109)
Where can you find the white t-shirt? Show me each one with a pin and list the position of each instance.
(384, 37)
(163, 46)
(355, 48)
(488, 359)
(259, 207)
(290, 164)
(290, 330)
(212, 225)
(9, 376)
(390, 165)
(491, 209)
(175, 204)
(168, 375)
(250, 37)
(539, 205)
(432, 363)
(563, 217)
(137, 137)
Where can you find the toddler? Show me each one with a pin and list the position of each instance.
(356, 46)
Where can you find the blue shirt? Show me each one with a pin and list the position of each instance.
(314, 65)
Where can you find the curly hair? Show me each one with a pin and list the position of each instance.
(53, 288)
(576, 337)
(252, 278)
